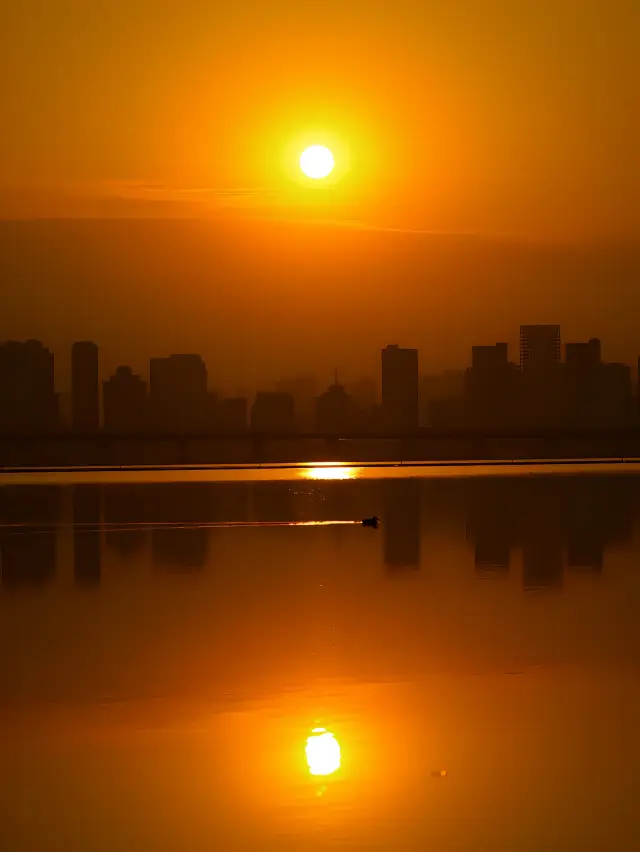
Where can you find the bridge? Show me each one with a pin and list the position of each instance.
(68, 448)
(423, 434)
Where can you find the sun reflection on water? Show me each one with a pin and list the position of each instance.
(330, 472)
(323, 752)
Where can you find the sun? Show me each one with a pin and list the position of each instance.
(323, 752)
(317, 162)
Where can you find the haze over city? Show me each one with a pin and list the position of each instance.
(485, 174)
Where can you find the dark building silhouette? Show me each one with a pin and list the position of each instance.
(399, 388)
(28, 401)
(583, 357)
(400, 522)
(540, 401)
(28, 553)
(491, 386)
(85, 402)
(493, 357)
(178, 395)
(539, 345)
(617, 394)
(125, 402)
(273, 411)
(87, 551)
(333, 409)
(583, 383)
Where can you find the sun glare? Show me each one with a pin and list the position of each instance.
(329, 472)
(323, 752)
(317, 162)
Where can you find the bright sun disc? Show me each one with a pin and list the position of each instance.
(317, 162)
(323, 752)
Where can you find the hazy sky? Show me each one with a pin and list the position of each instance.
(490, 115)
(515, 121)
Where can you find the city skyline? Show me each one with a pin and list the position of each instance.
(542, 389)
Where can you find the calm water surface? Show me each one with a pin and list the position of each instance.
(476, 660)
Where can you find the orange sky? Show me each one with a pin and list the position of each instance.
(489, 116)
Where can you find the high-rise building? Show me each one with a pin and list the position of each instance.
(490, 387)
(178, 395)
(399, 388)
(583, 384)
(28, 401)
(85, 407)
(542, 403)
(583, 357)
(333, 410)
(616, 394)
(489, 357)
(539, 345)
(273, 411)
(125, 402)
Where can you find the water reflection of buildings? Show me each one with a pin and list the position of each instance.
(400, 522)
(28, 515)
(174, 512)
(124, 510)
(556, 522)
(556, 525)
(490, 527)
(87, 546)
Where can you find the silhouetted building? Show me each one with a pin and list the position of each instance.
(178, 395)
(489, 357)
(539, 345)
(400, 522)
(87, 553)
(28, 401)
(491, 387)
(583, 357)
(583, 383)
(400, 388)
(85, 414)
(541, 400)
(125, 402)
(273, 411)
(617, 394)
(333, 409)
